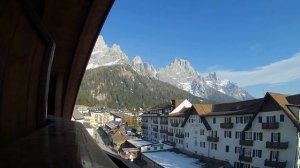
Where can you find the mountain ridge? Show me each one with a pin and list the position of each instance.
(179, 73)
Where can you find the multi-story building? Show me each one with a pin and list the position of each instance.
(248, 134)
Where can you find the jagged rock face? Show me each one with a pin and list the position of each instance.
(144, 69)
(227, 87)
(102, 55)
(179, 73)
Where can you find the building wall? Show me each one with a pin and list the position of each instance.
(218, 150)
(288, 133)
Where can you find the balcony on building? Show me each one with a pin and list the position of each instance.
(163, 131)
(278, 164)
(162, 122)
(226, 125)
(179, 135)
(155, 122)
(155, 129)
(212, 139)
(174, 124)
(144, 127)
(170, 133)
(245, 158)
(246, 142)
(272, 125)
(277, 145)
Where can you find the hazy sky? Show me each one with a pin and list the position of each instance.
(255, 43)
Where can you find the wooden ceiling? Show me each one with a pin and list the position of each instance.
(45, 46)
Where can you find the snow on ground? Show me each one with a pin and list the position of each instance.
(139, 143)
(173, 160)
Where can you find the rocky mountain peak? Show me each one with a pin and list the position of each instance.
(179, 73)
(137, 60)
(212, 76)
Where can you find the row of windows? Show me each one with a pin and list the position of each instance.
(271, 119)
(191, 120)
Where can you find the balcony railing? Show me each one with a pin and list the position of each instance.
(273, 125)
(174, 124)
(212, 139)
(245, 158)
(155, 122)
(170, 133)
(277, 145)
(270, 163)
(226, 125)
(164, 122)
(179, 135)
(246, 142)
(163, 131)
(155, 129)
(144, 127)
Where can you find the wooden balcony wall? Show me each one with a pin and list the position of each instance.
(246, 142)
(274, 125)
(226, 125)
(277, 145)
(212, 139)
(245, 158)
(270, 163)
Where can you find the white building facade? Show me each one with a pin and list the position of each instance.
(250, 134)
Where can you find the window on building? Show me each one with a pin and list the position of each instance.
(227, 134)
(237, 135)
(227, 148)
(237, 150)
(281, 118)
(260, 119)
(227, 119)
(214, 120)
(258, 136)
(248, 135)
(275, 137)
(274, 155)
(196, 142)
(161, 147)
(247, 119)
(271, 119)
(247, 152)
(201, 131)
(256, 153)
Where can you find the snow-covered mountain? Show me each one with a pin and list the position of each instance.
(179, 73)
(227, 87)
(103, 55)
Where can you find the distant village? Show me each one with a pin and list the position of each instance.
(247, 134)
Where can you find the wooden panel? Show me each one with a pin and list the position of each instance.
(25, 61)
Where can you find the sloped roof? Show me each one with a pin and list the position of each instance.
(203, 109)
(77, 115)
(280, 101)
(182, 112)
(283, 102)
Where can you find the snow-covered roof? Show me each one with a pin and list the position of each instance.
(170, 159)
(184, 104)
(139, 143)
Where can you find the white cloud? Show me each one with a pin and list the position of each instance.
(278, 72)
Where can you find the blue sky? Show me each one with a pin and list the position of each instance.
(253, 43)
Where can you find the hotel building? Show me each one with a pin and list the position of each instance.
(248, 134)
